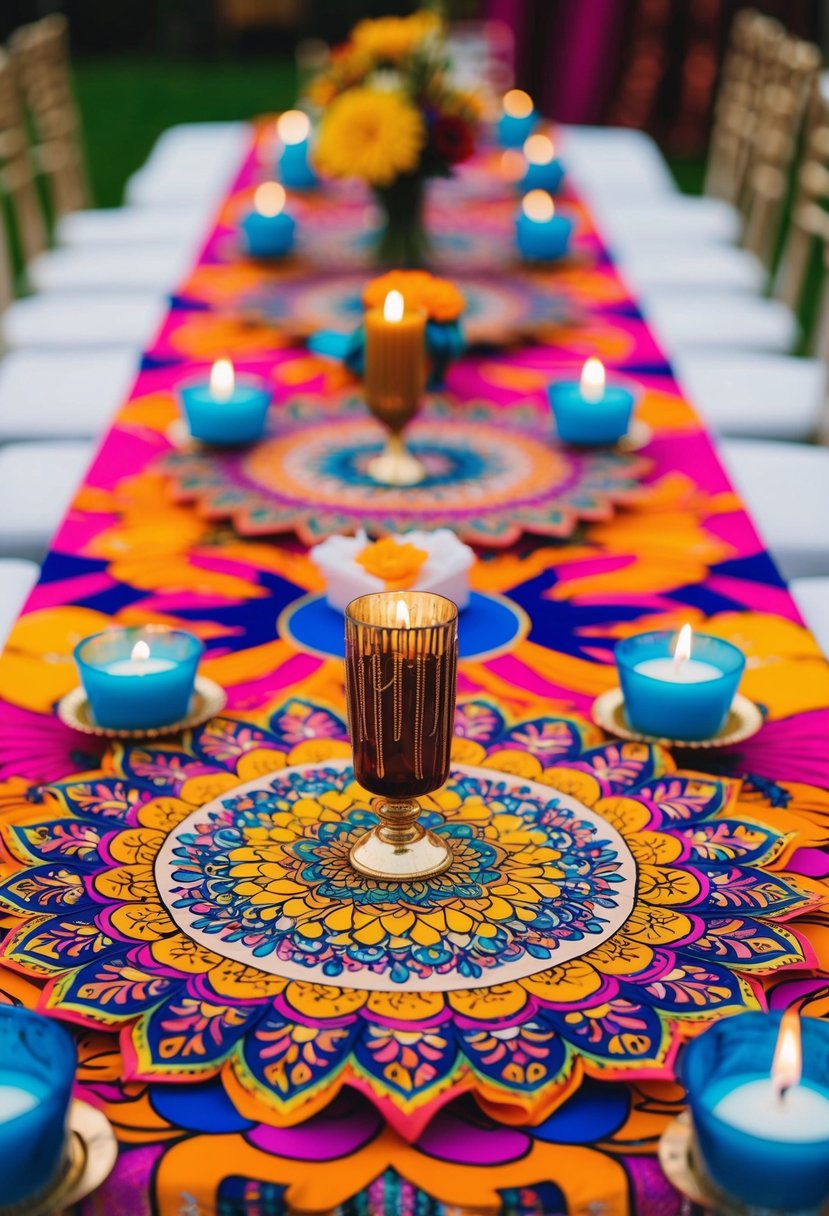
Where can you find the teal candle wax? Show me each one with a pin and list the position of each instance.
(678, 699)
(137, 679)
(294, 167)
(547, 176)
(518, 120)
(37, 1071)
(767, 1150)
(541, 234)
(225, 413)
(591, 421)
(544, 170)
(267, 230)
(268, 236)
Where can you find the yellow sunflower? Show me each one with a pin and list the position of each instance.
(393, 38)
(370, 134)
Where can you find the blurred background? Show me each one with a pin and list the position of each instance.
(142, 65)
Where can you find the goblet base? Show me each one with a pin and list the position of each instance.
(421, 856)
(396, 466)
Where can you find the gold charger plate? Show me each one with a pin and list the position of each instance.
(208, 700)
(743, 721)
(638, 436)
(678, 1159)
(92, 1151)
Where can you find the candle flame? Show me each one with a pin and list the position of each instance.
(222, 380)
(592, 380)
(393, 307)
(539, 149)
(518, 104)
(786, 1065)
(269, 199)
(293, 126)
(401, 616)
(682, 650)
(140, 652)
(539, 206)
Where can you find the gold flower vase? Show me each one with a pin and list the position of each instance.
(401, 674)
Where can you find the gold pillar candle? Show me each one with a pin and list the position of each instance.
(395, 376)
(401, 674)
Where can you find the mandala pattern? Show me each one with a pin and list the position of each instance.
(263, 876)
(106, 863)
(498, 310)
(489, 482)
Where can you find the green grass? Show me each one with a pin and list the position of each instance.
(126, 103)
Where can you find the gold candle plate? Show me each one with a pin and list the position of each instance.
(638, 436)
(743, 721)
(209, 699)
(680, 1162)
(91, 1153)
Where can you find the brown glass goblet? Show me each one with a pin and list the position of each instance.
(401, 658)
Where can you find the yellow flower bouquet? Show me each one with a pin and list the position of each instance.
(391, 118)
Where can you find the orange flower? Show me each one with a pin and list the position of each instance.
(397, 565)
(439, 298)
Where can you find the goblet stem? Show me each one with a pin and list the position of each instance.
(399, 847)
(396, 466)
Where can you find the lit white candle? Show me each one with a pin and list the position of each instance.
(779, 1107)
(681, 669)
(538, 206)
(539, 149)
(222, 382)
(592, 380)
(518, 104)
(293, 127)
(139, 663)
(269, 201)
(15, 1101)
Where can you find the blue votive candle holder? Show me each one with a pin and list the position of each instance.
(138, 679)
(541, 235)
(37, 1071)
(226, 410)
(544, 169)
(293, 165)
(678, 699)
(518, 120)
(766, 1149)
(267, 230)
(589, 412)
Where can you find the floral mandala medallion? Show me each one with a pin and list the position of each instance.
(193, 896)
(262, 876)
(489, 482)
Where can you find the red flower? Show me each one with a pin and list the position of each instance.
(453, 138)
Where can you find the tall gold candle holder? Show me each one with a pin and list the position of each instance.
(395, 376)
(401, 673)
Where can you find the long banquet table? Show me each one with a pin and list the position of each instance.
(420, 1055)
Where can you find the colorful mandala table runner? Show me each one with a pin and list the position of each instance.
(265, 1034)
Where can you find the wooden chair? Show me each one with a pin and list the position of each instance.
(41, 57)
(748, 66)
(788, 103)
(17, 181)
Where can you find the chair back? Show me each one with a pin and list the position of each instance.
(18, 187)
(41, 56)
(748, 66)
(785, 108)
(808, 231)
